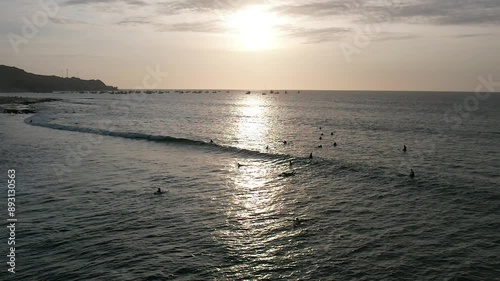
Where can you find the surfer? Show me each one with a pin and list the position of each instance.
(320, 138)
(287, 174)
(291, 163)
(331, 134)
(285, 142)
(311, 156)
(211, 141)
(267, 147)
(335, 144)
(404, 148)
(320, 146)
(158, 192)
(412, 173)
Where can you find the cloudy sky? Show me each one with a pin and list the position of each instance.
(258, 44)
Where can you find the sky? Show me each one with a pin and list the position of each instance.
(414, 45)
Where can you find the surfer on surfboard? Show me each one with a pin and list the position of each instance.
(159, 191)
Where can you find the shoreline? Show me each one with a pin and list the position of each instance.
(21, 105)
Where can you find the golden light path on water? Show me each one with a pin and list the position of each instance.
(258, 227)
(253, 126)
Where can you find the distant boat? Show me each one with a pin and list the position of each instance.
(247, 93)
(272, 92)
(264, 94)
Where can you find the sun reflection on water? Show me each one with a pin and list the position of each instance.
(256, 225)
(258, 229)
(253, 123)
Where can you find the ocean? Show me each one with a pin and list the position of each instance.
(239, 202)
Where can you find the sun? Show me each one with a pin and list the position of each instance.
(255, 27)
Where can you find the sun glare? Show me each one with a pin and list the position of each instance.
(256, 28)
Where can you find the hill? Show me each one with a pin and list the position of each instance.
(13, 79)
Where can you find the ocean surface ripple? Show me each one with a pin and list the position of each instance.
(88, 167)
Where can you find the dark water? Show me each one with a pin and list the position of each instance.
(88, 166)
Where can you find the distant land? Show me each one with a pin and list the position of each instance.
(13, 79)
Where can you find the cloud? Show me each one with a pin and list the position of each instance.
(200, 27)
(314, 35)
(92, 2)
(468, 35)
(66, 21)
(321, 35)
(203, 6)
(317, 9)
(452, 12)
(438, 12)
(136, 21)
(213, 26)
(179, 7)
(110, 6)
(304, 13)
(388, 36)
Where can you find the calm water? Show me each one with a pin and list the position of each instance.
(88, 167)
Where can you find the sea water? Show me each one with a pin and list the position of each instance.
(87, 168)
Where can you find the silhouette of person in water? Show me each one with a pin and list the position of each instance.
(291, 163)
(320, 138)
(211, 141)
(404, 148)
(267, 147)
(311, 156)
(159, 191)
(412, 173)
(285, 142)
(335, 144)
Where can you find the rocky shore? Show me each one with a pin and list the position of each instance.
(21, 105)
